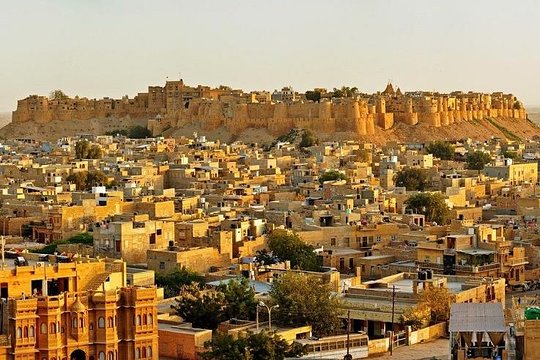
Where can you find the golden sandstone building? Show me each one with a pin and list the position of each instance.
(80, 310)
(176, 105)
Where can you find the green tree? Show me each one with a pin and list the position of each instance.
(204, 308)
(240, 299)
(57, 95)
(510, 154)
(332, 175)
(433, 206)
(81, 149)
(288, 246)
(438, 301)
(84, 150)
(305, 300)
(96, 178)
(412, 179)
(314, 96)
(441, 149)
(264, 257)
(477, 160)
(79, 179)
(139, 132)
(308, 139)
(121, 132)
(416, 317)
(173, 281)
(259, 346)
(85, 180)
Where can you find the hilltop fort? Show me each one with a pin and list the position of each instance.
(177, 105)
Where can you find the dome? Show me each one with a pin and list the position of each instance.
(78, 306)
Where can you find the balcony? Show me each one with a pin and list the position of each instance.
(516, 261)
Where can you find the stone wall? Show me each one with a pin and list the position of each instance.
(177, 105)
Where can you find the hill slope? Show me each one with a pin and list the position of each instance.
(511, 129)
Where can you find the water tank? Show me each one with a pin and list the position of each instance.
(422, 275)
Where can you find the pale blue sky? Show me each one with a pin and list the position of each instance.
(99, 48)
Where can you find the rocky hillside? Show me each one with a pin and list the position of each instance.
(57, 129)
(511, 129)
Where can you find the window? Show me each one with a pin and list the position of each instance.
(31, 332)
(43, 328)
(91, 327)
(110, 355)
(150, 319)
(159, 231)
(25, 332)
(53, 328)
(162, 265)
(101, 323)
(149, 351)
(75, 323)
(19, 332)
(138, 320)
(144, 320)
(110, 321)
(138, 353)
(81, 322)
(101, 355)
(144, 352)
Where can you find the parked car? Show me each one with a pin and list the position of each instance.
(20, 261)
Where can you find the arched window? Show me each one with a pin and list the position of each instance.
(101, 355)
(110, 321)
(25, 331)
(144, 320)
(144, 352)
(101, 323)
(110, 355)
(138, 353)
(138, 320)
(19, 332)
(81, 322)
(149, 351)
(31, 333)
(43, 328)
(150, 319)
(75, 323)
(53, 328)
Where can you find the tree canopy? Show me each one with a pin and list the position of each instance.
(259, 346)
(332, 175)
(207, 307)
(433, 307)
(313, 95)
(139, 132)
(477, 160)
(412, 179)
(85, 150)
(305, 300)
(345, 91)
(288, 246)
(441, 149)
(433, 206)
(308, 139)
(85, 180)
(173, 281)
(57, 95)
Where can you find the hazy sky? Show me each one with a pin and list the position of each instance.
(99, 48)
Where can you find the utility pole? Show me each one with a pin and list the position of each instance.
(348, 356)
(393, 312)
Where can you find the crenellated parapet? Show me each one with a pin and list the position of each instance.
(177, 105)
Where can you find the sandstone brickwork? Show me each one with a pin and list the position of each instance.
(175, 105)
